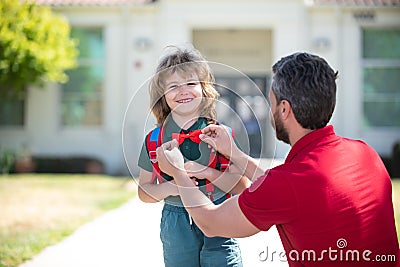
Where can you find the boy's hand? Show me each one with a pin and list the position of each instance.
(170, 159)
(197, 170)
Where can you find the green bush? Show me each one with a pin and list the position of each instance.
(35, 47)
(7, 159)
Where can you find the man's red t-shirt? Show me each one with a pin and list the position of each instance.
(331, 202)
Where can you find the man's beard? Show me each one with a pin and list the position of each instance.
(281, 132)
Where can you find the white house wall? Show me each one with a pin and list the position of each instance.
(342, 30)
(381, 139)
(284, 18)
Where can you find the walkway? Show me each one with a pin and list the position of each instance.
(129, 237)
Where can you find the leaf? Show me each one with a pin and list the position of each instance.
(35, 47)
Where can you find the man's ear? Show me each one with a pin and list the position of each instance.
(285, 109)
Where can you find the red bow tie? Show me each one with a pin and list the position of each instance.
(194, 136)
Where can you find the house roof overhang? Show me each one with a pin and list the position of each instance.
(60, 3)
(354, 3)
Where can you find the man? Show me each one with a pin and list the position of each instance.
(330, 200)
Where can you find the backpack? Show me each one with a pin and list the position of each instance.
(154, 139)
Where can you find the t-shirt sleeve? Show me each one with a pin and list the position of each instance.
(144, 159)
(270, 200)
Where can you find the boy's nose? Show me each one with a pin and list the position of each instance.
(183, 86)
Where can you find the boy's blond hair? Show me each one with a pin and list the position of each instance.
(183, 60)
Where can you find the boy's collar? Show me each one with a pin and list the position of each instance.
(171, 126)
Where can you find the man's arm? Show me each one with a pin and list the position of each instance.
(231, 181)
(219, 139)
(225, 219)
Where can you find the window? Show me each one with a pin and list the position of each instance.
(381, 78)
(12, 113)
(82, 95)
(242, 96)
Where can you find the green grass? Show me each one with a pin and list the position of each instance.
(41, 210)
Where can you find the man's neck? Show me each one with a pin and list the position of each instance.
(297, 133)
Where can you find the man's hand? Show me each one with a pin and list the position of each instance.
(218, 137)
(170, 159)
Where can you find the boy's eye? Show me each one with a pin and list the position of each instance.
(176, 86)
(192, 83)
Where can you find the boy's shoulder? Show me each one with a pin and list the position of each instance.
(153, 138)
(228, 128)
(154, 132)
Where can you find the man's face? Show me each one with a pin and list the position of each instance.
(276, 121)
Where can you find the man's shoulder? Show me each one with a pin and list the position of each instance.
(293, 174)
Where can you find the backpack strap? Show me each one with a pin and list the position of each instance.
(223, 161)
(153, 140)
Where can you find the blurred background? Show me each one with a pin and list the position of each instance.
(74, 100)
(76, 126)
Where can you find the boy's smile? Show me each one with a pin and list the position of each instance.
(186, 100)
(183, 94)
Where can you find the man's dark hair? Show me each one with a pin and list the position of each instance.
(308, 83)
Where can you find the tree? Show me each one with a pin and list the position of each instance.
(35, 47)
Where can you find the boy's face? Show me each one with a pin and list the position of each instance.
(183, 93)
